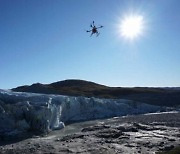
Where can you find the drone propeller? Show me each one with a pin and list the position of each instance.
(93, 23)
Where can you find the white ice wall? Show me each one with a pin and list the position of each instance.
(26, 111)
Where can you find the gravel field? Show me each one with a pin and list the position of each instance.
(146, 134)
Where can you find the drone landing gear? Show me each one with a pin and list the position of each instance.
(97, 34)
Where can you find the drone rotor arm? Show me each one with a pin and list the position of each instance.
(100, 27)
(88, 30)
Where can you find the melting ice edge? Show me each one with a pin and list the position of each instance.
(21, 112)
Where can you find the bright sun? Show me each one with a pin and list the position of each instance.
(131, 26)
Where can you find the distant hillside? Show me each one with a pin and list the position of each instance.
(157, 96)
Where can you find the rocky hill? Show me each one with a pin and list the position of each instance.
(155, 96)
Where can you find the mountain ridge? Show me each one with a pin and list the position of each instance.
(73, 87)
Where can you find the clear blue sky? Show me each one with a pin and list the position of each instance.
(45, 41)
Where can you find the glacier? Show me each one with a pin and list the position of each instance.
(23, 112)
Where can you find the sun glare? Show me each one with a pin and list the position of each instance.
(131, 26)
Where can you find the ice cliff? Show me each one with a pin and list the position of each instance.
(21, 112)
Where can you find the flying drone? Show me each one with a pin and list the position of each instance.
(94, 29)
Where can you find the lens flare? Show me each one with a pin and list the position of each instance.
(131, 26)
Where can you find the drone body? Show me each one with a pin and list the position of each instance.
(94, 29)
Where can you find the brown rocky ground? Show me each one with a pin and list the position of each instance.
(145, 134)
